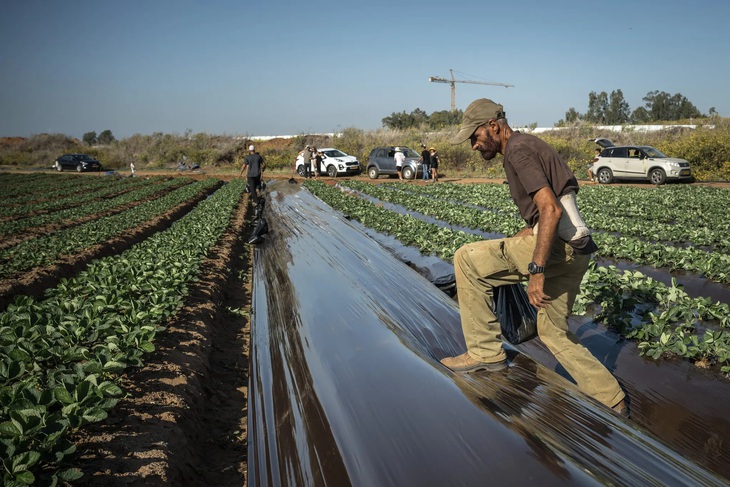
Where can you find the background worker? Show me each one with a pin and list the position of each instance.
(435, 160)
(307, 159)
(316, 161)
(399, 159)
(552, 253)
(425, 159)
(254, 166)
(590, 164)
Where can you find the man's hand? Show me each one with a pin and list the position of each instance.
(536, 293)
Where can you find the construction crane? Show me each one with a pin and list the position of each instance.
(452, 82)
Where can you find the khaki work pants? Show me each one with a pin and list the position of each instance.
(481, 266)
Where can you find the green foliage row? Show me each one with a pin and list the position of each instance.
(662, 319)
(47, 249)
(678, 215)
(50, 198)
(18, 192)
(133, 195)
(61, 358)
(493, 216)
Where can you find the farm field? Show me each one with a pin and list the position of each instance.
(114, 326)
(124, 330)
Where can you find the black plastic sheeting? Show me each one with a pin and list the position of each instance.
(346, 387)
(683, 405)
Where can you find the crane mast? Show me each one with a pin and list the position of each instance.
(452, 82)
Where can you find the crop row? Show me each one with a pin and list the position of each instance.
(667, 322)
(495, 219)
(24, 187)
(47, 249)
(662, 319)
(149, 189)
(51, 196)
(693, 216)
(87, 189)
(60, 358)
(686, 206)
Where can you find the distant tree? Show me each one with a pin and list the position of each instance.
(640, 115)
(597, 106)
(684, 108)
(572, 116)
(419, 117)
(657, 105)
(90, 138)
(618, 109)
(106, 137)
(397, 121)
(661, 106)
(445, 118)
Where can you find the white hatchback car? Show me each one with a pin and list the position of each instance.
(334, 163)
(637, 162)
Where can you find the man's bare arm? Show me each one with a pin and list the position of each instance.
(550, 213)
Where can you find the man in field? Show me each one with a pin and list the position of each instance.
(399, 159)
(552, 252)
(254, 166)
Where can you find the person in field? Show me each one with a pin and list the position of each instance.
(399, 159)
(552, 253)
(590, 164)
(435, 161)
(253, 165)
(307, 159)
(425, 159)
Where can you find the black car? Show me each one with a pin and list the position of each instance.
(78, 162)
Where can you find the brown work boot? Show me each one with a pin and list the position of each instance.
(622, 409)
(464, 363)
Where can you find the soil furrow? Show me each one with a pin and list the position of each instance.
(183, 421)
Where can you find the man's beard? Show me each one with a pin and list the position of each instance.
(489, 149)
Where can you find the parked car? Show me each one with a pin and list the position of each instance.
(78, 162)
(380, 161)
(334, 163)
(637, 162)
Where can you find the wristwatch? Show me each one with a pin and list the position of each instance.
(533, 268)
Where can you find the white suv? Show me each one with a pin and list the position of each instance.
(334, 163)
(637, 162)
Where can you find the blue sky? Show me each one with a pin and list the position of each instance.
(283, 67)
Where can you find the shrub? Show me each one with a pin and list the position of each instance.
(708, 149)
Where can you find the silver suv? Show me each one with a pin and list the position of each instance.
(381, 161)
(637, 162)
